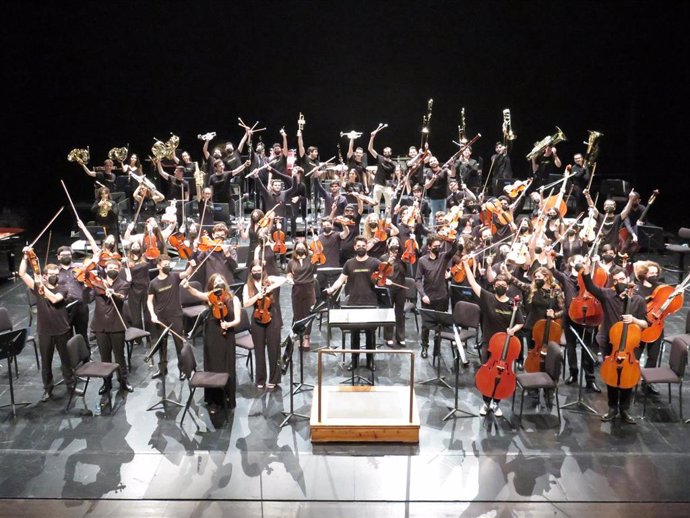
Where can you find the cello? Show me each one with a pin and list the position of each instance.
(496, 379)
(621, 368)
(665, 300)
(544, 331)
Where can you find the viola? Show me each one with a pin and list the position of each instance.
(513, 190)
(544, 331)
(382, 228)
(151, 251)
(381, 274)
(665, 300)
(107, 255)
(178, 241)
(621, 368)
(409, 255)
(496, 379)
(317, 255)
(279, 246)
(457, 271)
(262, 310)
(585, 309)
(32, 259)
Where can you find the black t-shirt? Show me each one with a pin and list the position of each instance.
(385, 168)
(361, 287)
(439, 189)
(105, 317)
(495, 315)
(302, 273)
(175, 188)
(166, 297)
(51, 318)
(331, 248)
(360, 167)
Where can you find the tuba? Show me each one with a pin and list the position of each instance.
(508, 126)
(118, 154)
(551, 140)
(80, 156)
(592, 147)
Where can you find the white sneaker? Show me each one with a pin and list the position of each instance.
(484, 409)
(496, 410)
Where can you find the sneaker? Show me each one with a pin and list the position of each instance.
(496, 410)
(484, 409)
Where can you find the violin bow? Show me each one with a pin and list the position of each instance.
(46, 227)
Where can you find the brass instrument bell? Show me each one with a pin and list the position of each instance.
(81, 156)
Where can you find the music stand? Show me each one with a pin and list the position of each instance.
(298, 328)
(158, 347)
(436, 321)
(579, 405)
(455, 410)
(357, 377)
(11, 344)
(287, 359)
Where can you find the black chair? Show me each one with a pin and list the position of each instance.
(82, 367)
(243, 340)
(192, 309)
(466, 316)
(542, 380)
(669, 339)
(682, 248)
(6, 325)
(132, 334)
(11, 345)
(200, 379)
(671, 375)
(411, 300)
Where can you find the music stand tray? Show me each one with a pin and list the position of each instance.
(11, 345)
(436, 321)
(157, 348)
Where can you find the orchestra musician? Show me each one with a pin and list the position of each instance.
(611, 222)
(383, 179)
(78, 297)
(648, 275)
(301, 274)
(396, 291)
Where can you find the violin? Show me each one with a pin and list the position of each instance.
(344, 221)
(665, 300)
(411, 215)
(381, 274)
(316, 247)
(621, 368)
(457, 271)
(262, 307)
(206, 244)
(278, 236)
(106, 256)
(32, 259)
(218, 299)
(178, 241)
(496, 379)
(516, 188)
(267, 218)
(556, 201)
(544, 331)
(409, 255)
(382, 228)
(151, 251)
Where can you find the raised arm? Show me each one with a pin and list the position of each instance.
(476, 288)
(371, 145)
(628, 206)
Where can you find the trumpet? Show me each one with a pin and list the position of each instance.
(118, 154)
(206, 136)
(80, 156)
(301, 122)
(551, 140)
(508, 126)
(351, 134)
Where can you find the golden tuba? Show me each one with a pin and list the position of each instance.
(592, 147)
(551, 140)
(80, 156)
(118, 154)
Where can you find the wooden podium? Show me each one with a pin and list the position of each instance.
(364, 413)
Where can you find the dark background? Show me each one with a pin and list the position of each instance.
(106, 74)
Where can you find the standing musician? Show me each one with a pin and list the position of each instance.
(436, 185)
(331, 242)
(308, 159)
(107, 322)
(178, 187)
(275, 197)
(612, 223)
(357, 160)
(334, 201)
(52, 326)
(630, 223)
(251, 232)
(106, 176)
(431, 282)
(383, 179)
(301, 274)
(148, 201)
(165, 309)
(572, 245)
(77, 297)
(223, 256)
(266, 322)
(546, 164)
(501, 167)
(648, 275)
(397, 293)
(613, 301)
(139, 286)
(580, 175)
(468, 170)
(496, 311)
(357, 274)
(351, 219)
(106, 212)
(204, 207)
(219, 337)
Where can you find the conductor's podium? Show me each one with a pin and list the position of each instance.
(364, 413)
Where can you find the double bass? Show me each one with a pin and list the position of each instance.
(496, 378)
(621, 368)
(544, 331)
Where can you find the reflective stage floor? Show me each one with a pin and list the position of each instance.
(140, 462)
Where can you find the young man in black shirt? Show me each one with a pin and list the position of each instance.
(52, 325)
(436, 186)
(609, 222)
(165, 310)
(77, 297)
(357, 274)
(383, 180)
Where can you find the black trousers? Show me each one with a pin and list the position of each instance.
(78, 316)
(156, 332)
(619, 398)
(48, 344)
(436, 305)
(110, 344)
(370, 337)
(397, 296)
(266, 338)
(571, 344)
(653, 350)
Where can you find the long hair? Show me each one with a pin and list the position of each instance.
(549, 282)
(251, 286)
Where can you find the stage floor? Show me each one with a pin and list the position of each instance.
(466, 466)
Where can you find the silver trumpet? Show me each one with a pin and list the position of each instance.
(206, 136)
(351, 134)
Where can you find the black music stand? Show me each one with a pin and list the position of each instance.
(579, 404)
(11, 344)
(299, 328)
(158, 347)
(357, 377)
(285, 363)
(455, 410)
(436, 321)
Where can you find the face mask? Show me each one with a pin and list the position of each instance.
(373, 225)
(327, 231)
(538, 250)
(608, 210)
(166, 270)
(52, 279)
(109, 246)
(608, 258)
(571, 232)
(112, 274)
(66, 261)
(256, 276)
(552, 216)
(395, 249)
(436, 249)
(501, 290)
(136, 251)
(539, 283)
(301, 252)
(652, 279)
(361, 252)
(621, 287)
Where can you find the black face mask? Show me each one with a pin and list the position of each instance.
(577, 267)
(621, 287)
(109, 246)
(166, 270)
(436, 250)
(361, 252)
(608, 258)
(394, 249)
(136, 251)
(327, 231)
(538, 250)
(501, 290)
(608, 210)
(112, 274)
(301, 253)
(539, 283)
(256, 276)
(52, 279)
(652, 279)
(66, 261)
(373, 225)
